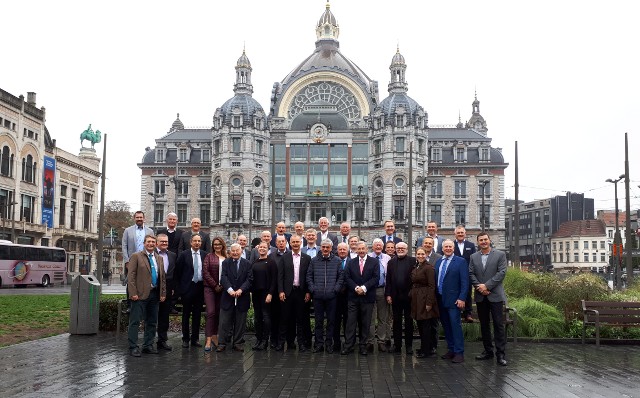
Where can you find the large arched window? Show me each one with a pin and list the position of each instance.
(5, 162)
(28, 169)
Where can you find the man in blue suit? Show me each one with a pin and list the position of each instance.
(463, 248)
(236, 280)
(390, 233)
(361, 276)
(280, 231)
(452, 276)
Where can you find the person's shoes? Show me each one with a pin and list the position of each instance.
(369, 347)
(457, 358)
(363, 350)
(387, 343)
(149, 350)
(469, 319)
(448, 355)
(195, 344)
(221, 348)
(318, 348)
(162, 345)
(420, 354)
(303, 348)
(263, 346)
(207, 348)
(346, 351)
(174, 311)
(329, 349)
(257, 346)
(238, 347)
(185, 344)
(336, 347)
(484, 356)
(434, 351)
(382, 347)
(279, 347)
(135, 352)
(500, 361)
(396, 349)
(408, 350)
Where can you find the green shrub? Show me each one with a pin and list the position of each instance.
(537, 319)
(109, 313)
(576, 288)
(520, 284)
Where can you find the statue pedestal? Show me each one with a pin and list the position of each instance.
(88, 153)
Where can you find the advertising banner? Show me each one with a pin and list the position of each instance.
(48, 190)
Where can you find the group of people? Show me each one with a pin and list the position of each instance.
(372, 292)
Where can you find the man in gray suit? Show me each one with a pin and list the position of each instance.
(133, 242)
(487, 269)
(432, 257)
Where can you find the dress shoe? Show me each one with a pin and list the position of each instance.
(221, 348)
(318, 348)
(329, 349)
(149, 350)
(135, 352)
(162, 345)
(363, 351)
(457, 358)
(336, 347)
(382, 347)
(185, 344)
(369, 347)
(273, 345)
(469, 319)
(408, 350)
(195, 344)
(484, 356)
(238, 347)
(501, 361)
(346, 351)
(448, 355)
(420, 354)
(434, 351)
(279, 347)
(303, 348)
(207, 348)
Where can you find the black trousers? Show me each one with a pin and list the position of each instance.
(401, 308)
(276, 309)
(341, 317)
(358, 311)
(432, 329)
(262, 314)
(192, 301)
(425, 327)
(294, 319)
(492, 312)
(163, 314)
(468, 303)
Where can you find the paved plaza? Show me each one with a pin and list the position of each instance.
(99, 366)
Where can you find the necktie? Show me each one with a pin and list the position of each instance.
(196, 267)
(344, 239)
(443, 270)
(154, 273)
(235, 264)
(361, 265)
(344, 262)
(388, 238)
(382, 276)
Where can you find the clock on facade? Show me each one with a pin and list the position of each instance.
(318, 132)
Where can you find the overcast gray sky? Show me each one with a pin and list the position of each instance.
(560, 77)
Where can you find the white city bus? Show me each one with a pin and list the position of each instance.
(31, 265)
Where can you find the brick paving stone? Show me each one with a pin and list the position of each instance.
(100, 366)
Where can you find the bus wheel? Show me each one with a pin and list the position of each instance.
(45, 281)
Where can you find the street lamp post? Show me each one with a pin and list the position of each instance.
(617, 239)
(155, 197)
(422, 182)
(13, 222)
(250, 211)
(359, 211)
(483, 184)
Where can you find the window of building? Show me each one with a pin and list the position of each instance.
(377, 213)
(72, 215)
(235, 145)
(400, 144)
(484, 189)
(182, 213)
(487, 216)
(205, 213)
(359, 173)
(298, 179)
(318, 209)
(560, 244)
(399, 182)
(436, 155)
(63, 190)
(420, 146)
(62, 210)
(217, 210)
(484, 154)
(338, 152)
(159, 187)
(319, 152)
(399, 164)
(27, 208)
(216, 147)
(236, 209)
(460, 214)
(318, 177)
(360, 151)
(562, 258)
(257, 210)
(586, 257)
(86, 217)
(435, 189)
(236, 121)
(159, 155)
(586, 245)
(28, 169)
(205, 188)
(377, 147)
(6, 161)
(206, 155)
(602, 245)
(339, 212)
(418, 208)
(398, 208)
(460, 155)
(259, 147)
(554, 257)
(88, 197)
(183, 155)
(74, 193)
(575, 245)
(183, 188)
(594, 244)
(436, 214)
(554, 246)
(158, 214)
(602, 257)
(460, 189)
(339, 176)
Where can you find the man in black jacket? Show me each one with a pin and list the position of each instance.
(294, 294)
(169, 262)
(397, 293)
(324, 278)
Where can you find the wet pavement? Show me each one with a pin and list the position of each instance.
(58, 289)
(100, 366)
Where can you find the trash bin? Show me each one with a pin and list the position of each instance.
(84, 317)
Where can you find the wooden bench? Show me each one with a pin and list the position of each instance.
(609, 313)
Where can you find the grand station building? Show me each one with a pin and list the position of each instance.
(326, 146)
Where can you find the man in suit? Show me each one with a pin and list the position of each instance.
(345, 231)
(147, 288)
(361, 276)
(353, 246)
(265, 236)
(452, 276)
(189, 285)
(341, 299)
(236, 281)
(185, 241)
(276, 255)
(298, 228)
(133, 242)
(294, 294)
(280, 231)
(169, 265)
(487, 269)
(432, 258)
(243, 242)
(323, 225)
(174, 234)
(390, 233)
(381, 308)
(463, 248)
(397, 293)
(311, 249)
(432, 231)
